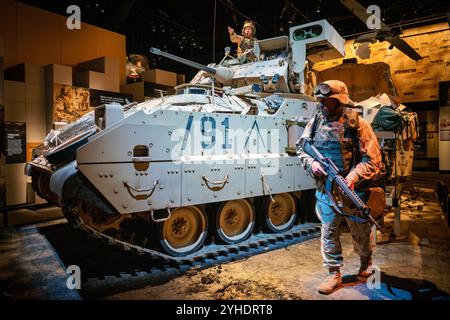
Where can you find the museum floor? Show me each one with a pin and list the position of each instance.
(414, 265)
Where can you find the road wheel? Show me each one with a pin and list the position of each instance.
(184, 232)
(278, 216)
(234, 220)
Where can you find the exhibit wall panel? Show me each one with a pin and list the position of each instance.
(78, 45)
(111, 44)
(2, 130)
(414, 80)
(444, 139)
(36, 36)
(8, 30)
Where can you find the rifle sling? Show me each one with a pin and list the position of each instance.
(339, 211)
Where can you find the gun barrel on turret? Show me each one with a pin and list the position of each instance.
(183, 60)
(222, 74)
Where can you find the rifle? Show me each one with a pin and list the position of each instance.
(333, 175)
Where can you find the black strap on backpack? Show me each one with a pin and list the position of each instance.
(351, 126)
(314, 126)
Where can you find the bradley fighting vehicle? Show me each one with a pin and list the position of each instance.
(214, 160)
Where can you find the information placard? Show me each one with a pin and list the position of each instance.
(15, 144)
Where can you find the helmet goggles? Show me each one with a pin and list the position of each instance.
(324, 90)
(332, 89)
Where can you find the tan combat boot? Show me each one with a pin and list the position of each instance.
(364, 269)
(332, 283)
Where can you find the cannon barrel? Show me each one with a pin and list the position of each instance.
(221, 74)
(183, 60)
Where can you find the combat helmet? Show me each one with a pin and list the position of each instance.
(251, 24)
(333, 89)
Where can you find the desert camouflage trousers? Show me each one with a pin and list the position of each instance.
(330, 243)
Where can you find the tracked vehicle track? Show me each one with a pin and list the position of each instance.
(167, 267)
(257, 243)
(126, 266)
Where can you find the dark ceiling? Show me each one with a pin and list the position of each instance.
(186, 28)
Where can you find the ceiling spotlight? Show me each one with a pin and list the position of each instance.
(318, 6)
(391, 47)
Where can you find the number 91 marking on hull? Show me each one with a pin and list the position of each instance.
(208, 132)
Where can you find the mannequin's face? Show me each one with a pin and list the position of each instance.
(248, 32)
(332, 105)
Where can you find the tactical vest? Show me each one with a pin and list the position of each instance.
(245, 44)
(338, 139)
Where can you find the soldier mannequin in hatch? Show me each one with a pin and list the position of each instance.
(245, 41)
(350, 142)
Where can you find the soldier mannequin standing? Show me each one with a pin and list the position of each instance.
(347, 139)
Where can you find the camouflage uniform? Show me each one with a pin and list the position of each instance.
(243, 42)
(333, 140)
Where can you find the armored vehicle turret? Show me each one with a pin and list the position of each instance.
(215, 161)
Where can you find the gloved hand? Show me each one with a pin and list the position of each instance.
(317, 169)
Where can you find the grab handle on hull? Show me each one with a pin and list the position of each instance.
(152, 189)
(222, 182)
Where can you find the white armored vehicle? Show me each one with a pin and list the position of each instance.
(213, 161)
